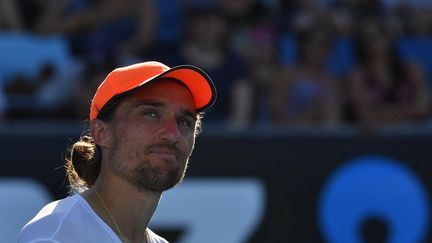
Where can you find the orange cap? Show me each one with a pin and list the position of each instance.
(130, 77)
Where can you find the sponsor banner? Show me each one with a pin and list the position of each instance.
(258, 188)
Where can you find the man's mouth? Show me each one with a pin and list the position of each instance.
(163, 153)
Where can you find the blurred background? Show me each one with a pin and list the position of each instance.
(320, 133)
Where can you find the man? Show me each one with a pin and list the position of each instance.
(143, 123)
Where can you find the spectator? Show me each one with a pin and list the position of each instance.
(263, 64)
(99, 30)
(241, 56)
(305, 94)
(252, 35)
(307, 15)
(246, 18)
(386, 89)
(205, 44)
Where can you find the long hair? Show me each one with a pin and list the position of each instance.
(84, 157)
(82, 164)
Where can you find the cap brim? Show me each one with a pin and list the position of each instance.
(196, 80)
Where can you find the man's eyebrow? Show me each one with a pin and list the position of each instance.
(149, 103)
(153, 103)
(189, 113)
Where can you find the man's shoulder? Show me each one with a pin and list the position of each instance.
(47, 222)
(156, 238)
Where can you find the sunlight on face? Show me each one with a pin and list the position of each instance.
(153, 133)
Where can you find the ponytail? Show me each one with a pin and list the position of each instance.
(83, 163)
(83, 160)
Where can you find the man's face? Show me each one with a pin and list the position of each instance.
(152, 135)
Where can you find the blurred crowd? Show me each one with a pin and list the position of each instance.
(280, 63)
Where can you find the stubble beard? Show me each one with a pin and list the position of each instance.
(146, 176)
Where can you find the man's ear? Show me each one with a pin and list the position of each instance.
(100, 133)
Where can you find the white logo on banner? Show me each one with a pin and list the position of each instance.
(213, 210)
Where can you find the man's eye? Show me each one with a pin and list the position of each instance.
(186, 123)
(152, 114)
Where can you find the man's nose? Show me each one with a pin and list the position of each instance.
(170, 130)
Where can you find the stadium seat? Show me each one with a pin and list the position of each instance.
(24, 54)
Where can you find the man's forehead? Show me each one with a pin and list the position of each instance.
(157, 104)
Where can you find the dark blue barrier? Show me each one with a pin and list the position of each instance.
(332, 187)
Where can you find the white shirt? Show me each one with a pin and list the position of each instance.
(71, 220)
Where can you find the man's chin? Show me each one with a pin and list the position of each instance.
(160, 179)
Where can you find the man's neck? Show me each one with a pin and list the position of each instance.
(126, 208)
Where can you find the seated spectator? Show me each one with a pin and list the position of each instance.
(305, 94)
(99, 30)
(204, 45)
(386, 89)
(263, 64)
(246, 18)
(252, 36)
